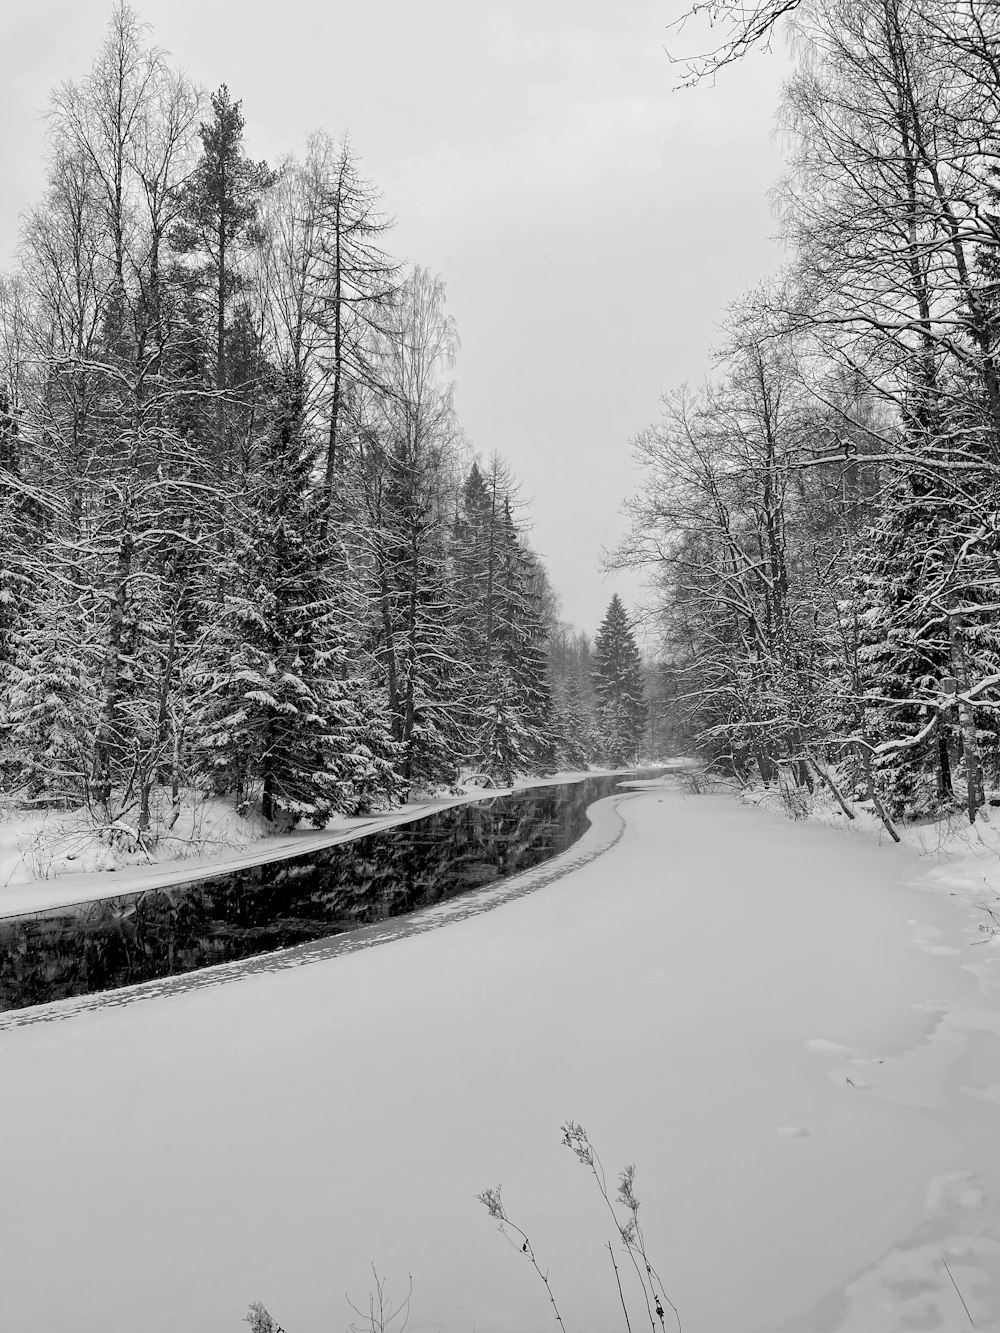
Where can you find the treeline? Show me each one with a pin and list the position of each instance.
(820, 522)
(243, 544)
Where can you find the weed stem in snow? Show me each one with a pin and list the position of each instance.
(491, 1201)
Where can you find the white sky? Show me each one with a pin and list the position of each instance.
(589, 221)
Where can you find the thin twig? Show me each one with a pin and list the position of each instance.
(491, 1200)
(959, 1294)
(621, 1294)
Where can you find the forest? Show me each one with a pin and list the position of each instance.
(820, 521)
(256, 580)
(245, 547)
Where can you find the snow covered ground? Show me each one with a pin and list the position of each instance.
(791, 1030)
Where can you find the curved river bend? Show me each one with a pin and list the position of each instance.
(256, 909)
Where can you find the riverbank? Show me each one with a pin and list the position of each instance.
(791, 1030)
(32, 882)
(306, 902)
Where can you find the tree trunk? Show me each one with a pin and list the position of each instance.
(966, 720)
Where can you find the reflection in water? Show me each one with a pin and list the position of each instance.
(161, 932)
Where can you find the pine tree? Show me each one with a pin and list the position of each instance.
(619, 687)
(218, 220)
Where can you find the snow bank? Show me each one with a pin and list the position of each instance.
(792, 1032)
(48, 844)
(966, 858)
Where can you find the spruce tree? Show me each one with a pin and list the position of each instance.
(575, 742)
(927, 629)
(13, 533)
(406, 470)
(283, 723)
(504, 633)
(523, 644)
(53, 702)
(417, 636)
(573, 697)
(619, 687)
(475, 549)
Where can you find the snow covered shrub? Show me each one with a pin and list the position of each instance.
(700, 778)
(796, 798)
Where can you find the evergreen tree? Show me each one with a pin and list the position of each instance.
(504, 744)
(13, 536)
(927, 630)
(619, 687)
(522, 635)
(573, 719)
(504, 633)
(416, 634)
(53, 702)
(406, 465)
(475, 552)
(573, 697)
(901, 657)
(283, 723)
(218, 220)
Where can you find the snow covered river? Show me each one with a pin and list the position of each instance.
(789, 1029)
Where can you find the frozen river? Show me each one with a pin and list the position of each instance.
(772, 1020)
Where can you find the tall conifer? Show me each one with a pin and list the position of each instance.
(619, 686)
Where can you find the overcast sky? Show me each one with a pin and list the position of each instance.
(590, 222)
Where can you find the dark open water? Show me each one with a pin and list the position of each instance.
(163, 932)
